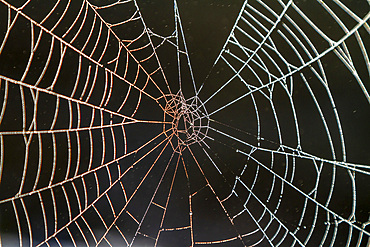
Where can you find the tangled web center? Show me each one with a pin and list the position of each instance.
(188, 117)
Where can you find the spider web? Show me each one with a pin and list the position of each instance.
(107, 138)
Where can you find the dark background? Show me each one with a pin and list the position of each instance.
(206, 26)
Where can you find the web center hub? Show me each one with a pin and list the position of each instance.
(188, 117)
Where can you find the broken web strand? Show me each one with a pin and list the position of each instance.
(345, 164)
(145, 30)
(220, 241)
(152, 203)
(258, 89)
(149, 34)
(133, 239)
(143, 218)
(180, 33)
(128, 201)
(285, 181)
(79, 228)
(272, 216)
